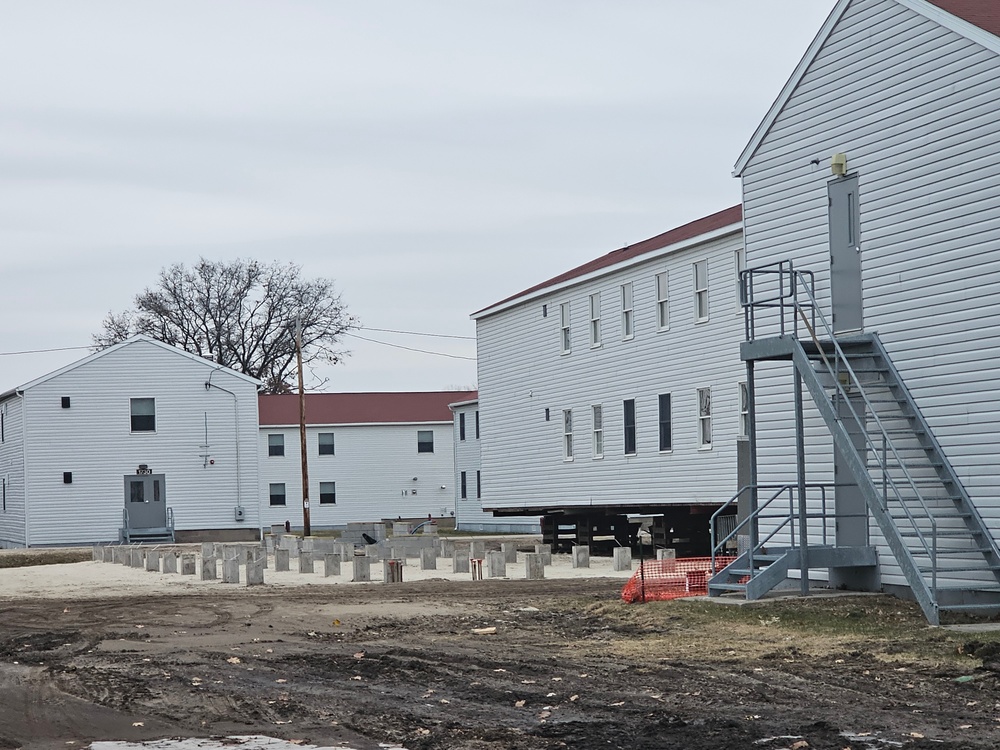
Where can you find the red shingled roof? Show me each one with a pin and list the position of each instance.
(688, 231)
(361, 408)
(982, 13)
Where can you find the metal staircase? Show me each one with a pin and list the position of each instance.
(129, 534)
(943, 547)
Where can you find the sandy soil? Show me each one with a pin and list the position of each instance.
(96, 651)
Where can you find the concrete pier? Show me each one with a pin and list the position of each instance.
(306, 562)
(477, 550)
(137, 558)
(255, 568)
(428, 559)
(622, 558)
(580, 557)
(209, 568)
(666, 554)
(392, 571)
(496, 565)
(545, 551)
(331, 564)
(169, 562)
(188, 564)
(460, 561)
(362, 568)
(534, 568)
(153, 561)
(281, 556)
(230, 565)
(509, 550)
(447, 547)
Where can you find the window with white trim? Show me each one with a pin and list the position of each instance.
(327, 493)
(461, 426)
(425, 441)
(662, 302)
(143, 414)
(741, 265)
(479, 484)
(744, 411)
(700, 273)
(564, 328)
(628, 409)
(666, 428)
(276, 493)
(628, 330)
(595, 319)
(705, 417)
(597, 414)
(567, 434)
(276, 445)
(463, 483)
(327, 447)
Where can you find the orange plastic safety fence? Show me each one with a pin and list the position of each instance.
(659, 580)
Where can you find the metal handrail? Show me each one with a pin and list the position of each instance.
(786, 518)
(806, 281)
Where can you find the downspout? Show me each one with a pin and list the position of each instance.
(209, 385)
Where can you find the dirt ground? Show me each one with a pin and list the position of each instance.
(569, 666)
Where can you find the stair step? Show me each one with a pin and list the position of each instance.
(946, 533)
(969, 607)
(958, 569)
(727, 586)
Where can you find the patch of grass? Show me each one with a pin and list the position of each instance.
(29, 558)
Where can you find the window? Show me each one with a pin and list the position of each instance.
(595, 319)
(744, 411)
(666, 438)
(425, 441)
(464, 486)
(597, 447)
(461, 426)
(326, 444)
(67, 477)
(65, 401)
(276, 445)
(477, 424)
(143, 414)
(701, 291)
(705, 417)
(629, 409)
(547, 417)
(662, 302)
(327, 493)
(568, 434)
(564, 328)
(479, 484)
(626, 293)
(3, 480)
(276, 491)
(741, 265)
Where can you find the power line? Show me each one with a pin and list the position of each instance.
(45, 351)
(418, 333)
(410, 348)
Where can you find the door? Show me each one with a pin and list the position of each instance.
(845, 255)
(145, 501)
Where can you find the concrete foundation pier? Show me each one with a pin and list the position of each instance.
(428, 559)
(509, 550)
(230, 565)
(306, 562)
(281, 556)
(545, 551)
(496, 565)
(137, 558)
(392, 571)
(153, 561)
(362, 568)
(580, 556)
(460, 561)
(169, 562)
(207, 550)
(666, 554)
(447, 547)
(534, 568)
(622, 558)
(209, 568)
(331, 564)
(188, 564)
(255, 568)
(477, 550)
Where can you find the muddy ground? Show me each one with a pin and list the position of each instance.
(569, 666)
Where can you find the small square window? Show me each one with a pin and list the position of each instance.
(143, 411)
(67, 477)
(276, 445)
(327, 493)
(276, 492)
(326, 444)
(425, 441)
(65, 402)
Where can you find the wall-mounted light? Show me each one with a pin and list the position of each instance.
(414, 479)
(838, 164)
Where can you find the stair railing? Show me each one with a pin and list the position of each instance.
(785, 519)
(796, 296)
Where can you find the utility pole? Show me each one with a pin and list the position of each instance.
(306, 527)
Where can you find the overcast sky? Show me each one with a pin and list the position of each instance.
(432, 157)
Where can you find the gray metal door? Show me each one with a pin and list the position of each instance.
(145, 501)
(845, 255)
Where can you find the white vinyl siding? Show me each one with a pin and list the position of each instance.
(519, 378)
(663, 301)
(913, 105)
(595, 319)
(13, 528)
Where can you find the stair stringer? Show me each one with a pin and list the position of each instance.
(856, 465)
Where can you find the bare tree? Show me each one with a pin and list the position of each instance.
(241, 314)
